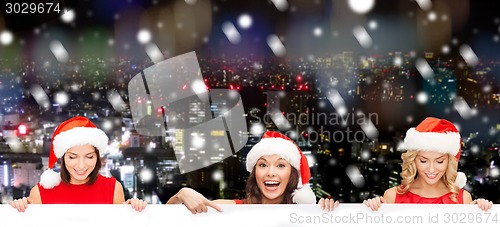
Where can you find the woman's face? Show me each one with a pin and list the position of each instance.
(272, 174)
(431, 166)
(80, 161)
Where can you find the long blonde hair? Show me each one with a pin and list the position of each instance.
(409, 172)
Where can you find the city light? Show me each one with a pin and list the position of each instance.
(22, 129)
(6, 175)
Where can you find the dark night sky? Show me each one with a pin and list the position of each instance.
(482, 12)
(482, 16)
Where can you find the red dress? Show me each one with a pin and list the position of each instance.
(101, 192)
(409, 197)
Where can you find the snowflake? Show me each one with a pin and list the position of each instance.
(361, 6)
(355, 176)
(69, 16)
(468, 55)
(59, 51)
(6, 37)
(231, 32)
(362, 36)
(62, 98)
(245, 21)
(276, 45)
(144, 36)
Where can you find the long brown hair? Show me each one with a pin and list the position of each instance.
(65, 175)
(254, 194)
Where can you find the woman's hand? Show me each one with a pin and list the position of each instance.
(137, 204)
(195, 202)
(20, 204)
(374, 203)
(328, 204)
(483, 204)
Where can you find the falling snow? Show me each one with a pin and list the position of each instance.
(317, 31)
(468, 55)
(355, 176)
(361, 6)
(432, 16)
(424, 69)
(276, 45)
(245, 21)
(40, 96)
(231, 32)
(373, 25)
(6, 38)
(144, 36)
(146, 175)
(59, 51)
(257, 129)
(62, 98)
(362, 36)
(463, 108)
(424, 4)
(281, 5)
(422, 97)
(107, 125)
(445, 49)
(69, 16)
(154, 52)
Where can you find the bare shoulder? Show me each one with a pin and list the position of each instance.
(224, 201)
(390, 195)
(467, 197)
(119, 195)
(118, 185)
(35, 197)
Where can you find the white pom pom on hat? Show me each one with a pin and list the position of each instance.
(72, 132)
(437, 135)
(279, 144)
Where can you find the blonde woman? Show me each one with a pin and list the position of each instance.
(429, 170)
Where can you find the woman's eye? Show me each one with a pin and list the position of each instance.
(423, 161)
(281, 165)
(440, 162)
(262, 165)
(72, 157)
(90, 157)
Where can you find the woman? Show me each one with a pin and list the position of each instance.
(429, 168)
(77, 142)
(279, 174)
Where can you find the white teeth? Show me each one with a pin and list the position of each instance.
(272, 182)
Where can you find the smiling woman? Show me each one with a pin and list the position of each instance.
(429, 170)
(279, 174)
(77, 142)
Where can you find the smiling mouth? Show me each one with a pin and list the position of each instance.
(81, 172)
(271, 183)
(431, 176)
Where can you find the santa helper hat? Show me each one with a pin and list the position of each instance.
(276, 143)
(73, 132)
(437, 135)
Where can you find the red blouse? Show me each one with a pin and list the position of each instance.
(410, 197)
(102, 191)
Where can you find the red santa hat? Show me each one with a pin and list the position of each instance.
(73, 132)
(436, 135)
(276, 143)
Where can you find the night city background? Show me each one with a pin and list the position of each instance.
(348, 76)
